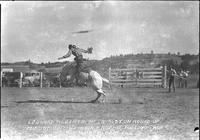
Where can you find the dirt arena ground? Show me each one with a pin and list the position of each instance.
(65, 113)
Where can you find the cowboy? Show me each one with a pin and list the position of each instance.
(77, 52)
(172, 74)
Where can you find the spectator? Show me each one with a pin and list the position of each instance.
(185, 75)
(180, 79)
(172, 74)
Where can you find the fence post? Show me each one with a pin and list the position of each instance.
(165, 77)
(60, 80)
(20, 80)
(1, 78)
(109, 74)
(41, 77)
(136, 71)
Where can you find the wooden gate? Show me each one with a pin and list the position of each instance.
(141, 77)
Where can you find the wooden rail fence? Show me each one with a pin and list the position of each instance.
(141, 77)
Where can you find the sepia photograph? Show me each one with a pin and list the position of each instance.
(99, 70)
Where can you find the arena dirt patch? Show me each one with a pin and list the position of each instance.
(144, 113)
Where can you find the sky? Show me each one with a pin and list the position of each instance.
(41, 31)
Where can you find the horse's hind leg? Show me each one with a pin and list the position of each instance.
(104, 95)
(98, 96)
(100, 92)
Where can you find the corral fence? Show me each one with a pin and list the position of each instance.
(141, 77)
(28, 79)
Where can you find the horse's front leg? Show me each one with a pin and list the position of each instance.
(74, 77)
(77, 79)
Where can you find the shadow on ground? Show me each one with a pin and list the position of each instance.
(47, 101)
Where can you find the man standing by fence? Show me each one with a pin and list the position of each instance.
(172, 74)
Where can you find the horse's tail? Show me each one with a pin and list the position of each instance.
(105, 80)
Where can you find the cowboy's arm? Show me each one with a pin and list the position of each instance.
(176, 75)
(89, 50)
(82, 50)
(65, 56)
(174, 72)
